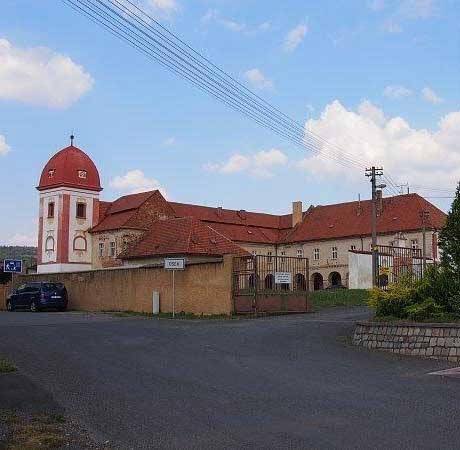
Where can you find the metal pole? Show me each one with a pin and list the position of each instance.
(174, 296)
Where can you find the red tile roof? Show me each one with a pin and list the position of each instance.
(66, 169)
(127, 202)
(221, 215)
(182, 236)
(400, 213)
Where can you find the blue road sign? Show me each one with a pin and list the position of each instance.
(12, 265)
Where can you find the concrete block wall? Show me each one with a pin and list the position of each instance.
(438, 341)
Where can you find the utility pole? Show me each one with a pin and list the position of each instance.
(424, 215)
(373, 173)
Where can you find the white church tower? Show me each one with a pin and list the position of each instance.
(69, 206)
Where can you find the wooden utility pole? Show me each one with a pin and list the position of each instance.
(373, 173)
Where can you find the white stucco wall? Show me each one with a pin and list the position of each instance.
(360, 270)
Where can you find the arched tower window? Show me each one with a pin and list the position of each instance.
(80, 244)
(49, 244)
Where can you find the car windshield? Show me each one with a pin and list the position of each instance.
(47, 287)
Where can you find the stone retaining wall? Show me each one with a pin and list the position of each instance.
(431, 340)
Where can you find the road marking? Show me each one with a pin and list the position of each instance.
(453, 372)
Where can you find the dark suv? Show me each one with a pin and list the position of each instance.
(38, 295)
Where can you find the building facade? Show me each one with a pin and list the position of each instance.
(77, 231)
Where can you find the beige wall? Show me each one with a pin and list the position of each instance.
(4, 290)
(326, 264)
(200, 289)
(121, 238)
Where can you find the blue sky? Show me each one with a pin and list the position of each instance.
(378, 77)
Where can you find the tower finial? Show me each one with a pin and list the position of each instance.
(72, 137)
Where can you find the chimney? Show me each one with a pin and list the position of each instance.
(296, 213)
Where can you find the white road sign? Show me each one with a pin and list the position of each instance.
(174, 263)
(283, 277)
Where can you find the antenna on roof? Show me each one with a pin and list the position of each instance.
(72, 137)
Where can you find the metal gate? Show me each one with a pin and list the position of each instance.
(273, 284)
(394, 263)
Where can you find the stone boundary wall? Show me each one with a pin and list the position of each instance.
(430, 340)
(203, 288)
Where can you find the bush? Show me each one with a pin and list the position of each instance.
(436, 297)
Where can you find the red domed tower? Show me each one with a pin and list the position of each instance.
(69, 206)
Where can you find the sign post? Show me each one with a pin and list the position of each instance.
(12, 266)
(174, 264)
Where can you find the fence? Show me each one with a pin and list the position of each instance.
(270, 284)
(396, 262)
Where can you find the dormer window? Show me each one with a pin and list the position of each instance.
(51, 173)
(82, 174)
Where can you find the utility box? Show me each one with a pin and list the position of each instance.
(155, 302)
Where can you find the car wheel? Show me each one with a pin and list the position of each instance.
(9, 306)
(33, 307)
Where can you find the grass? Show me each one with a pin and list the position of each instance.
(339, 297)
(6, 366)
(36, 432)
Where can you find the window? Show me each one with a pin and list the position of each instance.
(414, 244)
(254, 253)
(51, 173)
(269, 254)
(101, 249)
(81, 210)
(50, 210)
(82, 174)
(113, 248)
(316, 254)
(353, 247)
(334, 252)
(49, 244)
(299, 253)
(80, 244)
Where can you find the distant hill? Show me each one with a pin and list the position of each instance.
(27, 254)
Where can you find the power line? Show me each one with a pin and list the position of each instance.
(128, 22)
(138, 38)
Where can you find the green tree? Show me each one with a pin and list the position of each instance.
(449, 239)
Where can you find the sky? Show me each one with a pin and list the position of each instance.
(377, 78)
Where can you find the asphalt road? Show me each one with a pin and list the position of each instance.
(279, 382)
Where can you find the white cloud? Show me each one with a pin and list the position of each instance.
(40, 76)
(258, 80)
(170, 141)
(259, 164)
(295, 37)
(417, 9)
(430, 96)
(164, 9)
(29, 240)
(392, 27)
(213, 15)
(407, 153)
(135, 181)
(4, 147)
(377, 5)
(396, 92)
